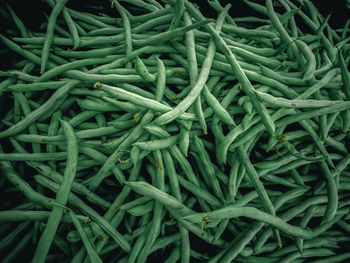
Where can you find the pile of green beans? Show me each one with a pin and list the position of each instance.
(160, 135)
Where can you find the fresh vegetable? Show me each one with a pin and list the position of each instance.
(156, 134)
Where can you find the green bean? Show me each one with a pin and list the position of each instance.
(136, 90)
(98, 52)
(107, 104)
(239, 243)
(90, 250)
(165, 241)
(36, 114)
(61, 197)
(50, 33)
(242, 32)
(5, 84)
(282, 78)
(166, 36)
(26, 110)
(248, 88)
(117, 237)
(61, 31)
(143, 71)
(127, 30)
(196, 89)
(313, 27)
(254, 178)
(175, 188)
(22, 215)
(310, 66)
(179, 9)
(193, 72)
(148, 16)
(137, 247)
(289, 214)
(268, 62)
(161, 80)
(216, 106)
(118, 201)
(158, 209)
(262, 51)
(304, 95)
(116, 154)
(32, 156)
(345, 75)
(331, 192)
(282, 32)
(303, 223)
(87, 18)
(320, 252)
(335, 144)
(210, 199)
(301, 156)
(138, 100)
(18, 74)
(205, 160)
(142, 5)
(135, 203)
(81, 189)
(165, 199)
(72, 28)
(36, 86)
(251, 212)
(157, 144)
(73, 65)
(281, 102)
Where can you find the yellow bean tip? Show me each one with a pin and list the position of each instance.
(136, 118)
(281, 137)
(97, 85)
(205, 218)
